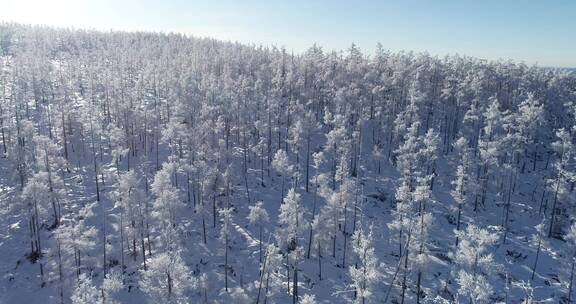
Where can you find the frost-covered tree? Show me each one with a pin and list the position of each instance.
(459, 194)
(338, 143)
(167, 279)
(34, 194)
(318, 161)
(325, 224)
(366, 273)
(403, 224)
(174, 134)
(475, 265)
(529, 118)
(378, 155)
(492, 146)
(463, 181)
(538, 240)
(91, 122)
(258, 216)
(21, 154)
(429, 152)
(270, 279)
(281, 164)
(165, 206)
(565, 174)
(112, 283)
(410, 116)
(402, 213)
(407, 155)
(288, 235)
(328, 220)
(422, 196)
(225, 234)
(311, 126)
(291, 220)
(52, 164)
(86, 292)
(118, 144)
(77, 237)
(129, 200)
(571, 255)
(324, 237)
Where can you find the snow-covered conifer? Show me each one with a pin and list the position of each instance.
(165, 206)
(366, 273)
(225, 234)
(475, 265)
(167, 279)
(86, 292)
(258, 216)
(281, 164)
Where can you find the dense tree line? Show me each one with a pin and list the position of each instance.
(134, 159)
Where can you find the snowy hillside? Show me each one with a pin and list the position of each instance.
(161, 168)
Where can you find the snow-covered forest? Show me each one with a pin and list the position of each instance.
(160, 168)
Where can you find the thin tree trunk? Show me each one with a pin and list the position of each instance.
(260, 241)
(262, 274)
(571, 280)
(319, 263)
(553, 213)
(226, 264)
(536, 260)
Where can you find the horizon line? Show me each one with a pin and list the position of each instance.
(255, 45)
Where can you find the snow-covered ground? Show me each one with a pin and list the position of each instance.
(207, 118)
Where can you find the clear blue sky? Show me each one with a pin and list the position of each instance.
(542, 31)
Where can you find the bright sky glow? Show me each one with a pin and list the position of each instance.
(532, 31)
